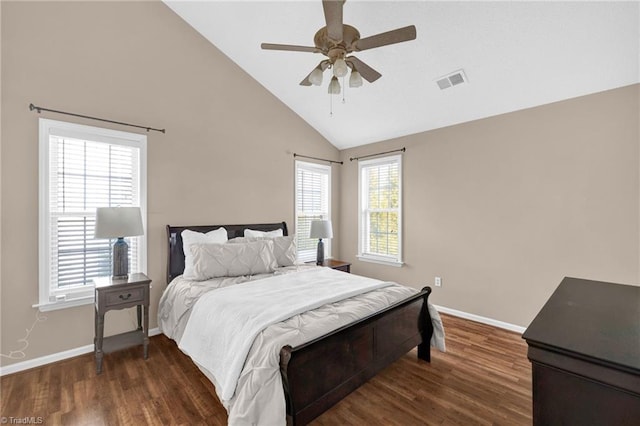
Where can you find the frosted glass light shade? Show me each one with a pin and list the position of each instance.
(321, 229)
(315, 77)
(115, 222)
(334, 86)
(355, 80)
(340, 68)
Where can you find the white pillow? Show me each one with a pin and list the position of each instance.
(284, 248)
(232, 260)
(250, 233)
(189, 238)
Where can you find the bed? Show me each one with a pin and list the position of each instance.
(316, 371)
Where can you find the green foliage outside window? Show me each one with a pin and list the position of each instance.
(383, 207)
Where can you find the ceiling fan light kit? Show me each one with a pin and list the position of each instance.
(337, 40)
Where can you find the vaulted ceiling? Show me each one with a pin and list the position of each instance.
(515, 55)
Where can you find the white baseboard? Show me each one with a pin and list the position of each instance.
(48, 359)
(483, 320)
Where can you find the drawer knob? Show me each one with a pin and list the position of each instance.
(123, 297)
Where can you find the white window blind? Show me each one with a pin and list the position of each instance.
(313, 195)
(84, 168)
(380, 223)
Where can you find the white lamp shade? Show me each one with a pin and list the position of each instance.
(116, 222)
(340, 68)
(315, 77)
(355, 80)
(321, 229)
(334, 86)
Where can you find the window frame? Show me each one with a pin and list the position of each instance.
(51, 298)
(320, 169)
(363, 221)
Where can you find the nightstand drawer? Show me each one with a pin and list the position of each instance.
(125, 297)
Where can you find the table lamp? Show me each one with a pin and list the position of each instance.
(321, 229)
(119, 222)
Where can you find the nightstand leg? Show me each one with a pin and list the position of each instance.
(146, 332)
(98, 342)
(139, 308)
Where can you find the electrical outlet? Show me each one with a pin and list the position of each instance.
(438, 282)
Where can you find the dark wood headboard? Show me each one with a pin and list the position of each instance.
(175, 255)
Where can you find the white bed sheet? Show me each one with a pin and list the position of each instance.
(259, 398)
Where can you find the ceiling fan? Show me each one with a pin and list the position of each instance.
(337, 40)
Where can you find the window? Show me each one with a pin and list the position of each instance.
(380, 222)
(82, 168)
(313, 195)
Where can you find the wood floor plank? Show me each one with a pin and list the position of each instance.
(483, 379)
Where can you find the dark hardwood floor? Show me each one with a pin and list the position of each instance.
(483, 379)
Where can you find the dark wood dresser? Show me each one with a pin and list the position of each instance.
(584, 347)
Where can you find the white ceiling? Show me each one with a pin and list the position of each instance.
(515, 55)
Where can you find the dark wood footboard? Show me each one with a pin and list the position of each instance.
(318, 374)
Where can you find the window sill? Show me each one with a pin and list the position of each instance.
(380, 261)
(63, 304)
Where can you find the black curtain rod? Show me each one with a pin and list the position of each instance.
(40, 109)
(380, 153)
(319, 159)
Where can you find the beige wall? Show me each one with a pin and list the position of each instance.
(226, 156)
(503, 208)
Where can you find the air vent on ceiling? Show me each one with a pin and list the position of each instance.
(453, 79)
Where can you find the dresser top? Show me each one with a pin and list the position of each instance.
(593, 319)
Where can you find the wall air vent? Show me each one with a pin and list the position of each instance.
(453, 79)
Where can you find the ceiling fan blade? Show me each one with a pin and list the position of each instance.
(271, 46)
(365, 70)
(390, 37)
(333, 17)
(321, 66)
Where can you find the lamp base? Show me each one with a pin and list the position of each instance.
(320, 253)
(120, 259)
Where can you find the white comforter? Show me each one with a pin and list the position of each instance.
(258, 397)
(241, 312)
(180, 296)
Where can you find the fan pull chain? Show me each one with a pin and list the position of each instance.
(344, 89)
(330, 105)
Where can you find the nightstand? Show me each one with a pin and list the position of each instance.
(120, 294)
(338, 265)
